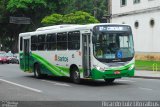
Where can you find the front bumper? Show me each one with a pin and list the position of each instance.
(96, 74)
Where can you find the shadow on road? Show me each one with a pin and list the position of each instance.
(84, 82)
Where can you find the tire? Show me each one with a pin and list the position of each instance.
(109, 81)
(37, 71)
(75, 75)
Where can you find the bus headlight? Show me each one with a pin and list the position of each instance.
(100, 69)
(131, 67)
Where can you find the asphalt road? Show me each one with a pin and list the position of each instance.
(16, 85)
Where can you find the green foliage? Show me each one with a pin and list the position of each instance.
(97, 8)
(80, 5)
(100, 8)
(14, 5)
(78, 17)
(38, 9)
(53, 19)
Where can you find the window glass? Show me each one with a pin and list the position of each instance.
(136, 1)
(33, 47)
(123, 2)
(123, 41)
(51, 46)
(41, 46)
(51, 41)
(41, 42)
(41, 38)
(110, 45)
(51, 38)
(34, 41)
(62, 41)
(136, 24)
(74, 40)
(152, 22)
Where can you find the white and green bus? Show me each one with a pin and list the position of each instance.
(93, 51)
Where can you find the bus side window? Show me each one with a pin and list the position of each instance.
(74, 40)
(51, 41)
(62, 41)
(41, 42)
(34, 40)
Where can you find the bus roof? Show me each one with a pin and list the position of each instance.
(55, 27)
(63, 28)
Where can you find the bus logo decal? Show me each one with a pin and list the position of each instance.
(61, 58)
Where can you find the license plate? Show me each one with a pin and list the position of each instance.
(117, 72)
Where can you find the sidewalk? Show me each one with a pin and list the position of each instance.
(147, 74)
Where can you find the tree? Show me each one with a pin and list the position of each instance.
(53, 19)
(78, 17)
(80, 5)
(98, 8)
(3, 22)
(38, 9)
(34, 9)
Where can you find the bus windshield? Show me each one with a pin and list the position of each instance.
(113, 46)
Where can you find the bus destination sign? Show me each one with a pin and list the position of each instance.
(113, 28)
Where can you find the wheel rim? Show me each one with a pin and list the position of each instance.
(76, 75)
(36, 74)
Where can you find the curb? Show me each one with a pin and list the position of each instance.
(146, 77)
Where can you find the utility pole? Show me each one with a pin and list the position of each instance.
(107, 17)
(109, 10)
(95, 8)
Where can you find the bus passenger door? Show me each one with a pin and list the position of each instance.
(26, 52)
(86, 54)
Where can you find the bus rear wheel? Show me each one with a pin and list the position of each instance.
(75, 75)
(37, 71)
(109, 81)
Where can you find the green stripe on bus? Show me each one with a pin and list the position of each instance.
(55, 70)
(121, 68)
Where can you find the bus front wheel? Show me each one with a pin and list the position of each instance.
(109, 81)
(75, 76)
(37, 72)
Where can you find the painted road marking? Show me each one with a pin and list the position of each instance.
(126, 80)
(56, 83)
(143, 79)
(142, 88)
(26, 87)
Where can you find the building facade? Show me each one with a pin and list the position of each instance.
(144, 18)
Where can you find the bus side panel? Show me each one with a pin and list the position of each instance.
(47, 67)
(57, 63)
